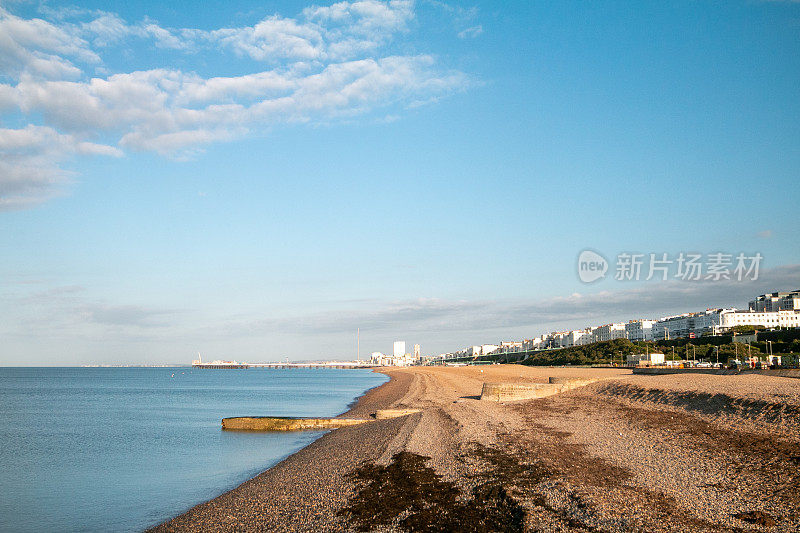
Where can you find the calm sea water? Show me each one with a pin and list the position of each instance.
(121, 449)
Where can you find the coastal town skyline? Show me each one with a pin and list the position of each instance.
(774, 310)
(258, 180)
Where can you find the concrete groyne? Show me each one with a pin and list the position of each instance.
(277, 423)
(283, 423)
(383, 414)
(502, 392)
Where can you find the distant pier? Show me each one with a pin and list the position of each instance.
(230, 366)
(236, 365)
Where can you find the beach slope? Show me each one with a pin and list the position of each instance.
(622, 453)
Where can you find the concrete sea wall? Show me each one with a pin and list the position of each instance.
(269, 423)
(503, 392)
(280, 423)
(779, 372)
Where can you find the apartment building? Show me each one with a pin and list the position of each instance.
(639, 330)
(776, 301)
(609, 332)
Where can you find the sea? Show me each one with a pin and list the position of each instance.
(124, 449)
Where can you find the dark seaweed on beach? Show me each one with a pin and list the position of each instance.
(411, 496)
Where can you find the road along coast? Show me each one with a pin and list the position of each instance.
(620, 452)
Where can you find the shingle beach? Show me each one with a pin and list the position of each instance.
(686, 452)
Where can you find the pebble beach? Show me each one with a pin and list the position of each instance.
(684, 452)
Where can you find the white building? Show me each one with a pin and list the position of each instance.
(644, 359)
(689, 324)
(776, 319)
(399, 348)
(398, 357)
(609, 332)
(715, 321)
(549, 341)
(639, 330)
(483, 349)
(671, 327)
(417, 354)
(578, 337)
(532, 344)
(510, 346)
(486, 349)
(561, 339)
(776, 301)
(406, 360)
(558, 339)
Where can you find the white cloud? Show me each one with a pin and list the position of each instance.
(125, 316)
(324, 64)
(368, 18)
(164, 38)
(272, 39)
(471, 32)
(148, 107)
(70, 312)
(338, 32)
(196, 90)
(433, 317)
(170, 144)
(321, 33)
(107, 29)
(71, 315)
(29, 169)
(39, 48)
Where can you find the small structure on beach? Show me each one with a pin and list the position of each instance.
(287, 423)
(645, 359)
(501, 392)
(282, 423)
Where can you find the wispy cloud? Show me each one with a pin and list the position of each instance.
(471, 32)
(340, 31)
(463, 18)
(126, 315)
(108, 29)
(72, 314)
(40, 49)
(324, 64)
(30, 171)
(431, 317)
(71, 308)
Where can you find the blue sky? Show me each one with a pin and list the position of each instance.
(255, 180)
